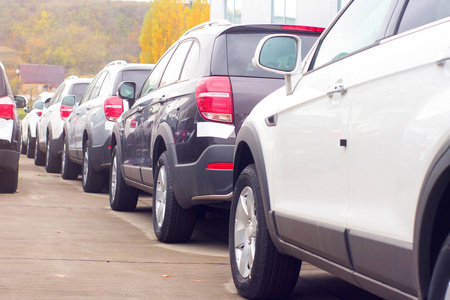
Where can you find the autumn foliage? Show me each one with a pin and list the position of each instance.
(165, 22)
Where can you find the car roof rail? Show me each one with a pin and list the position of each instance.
(222, 22)
(72, 77)
(116, 62)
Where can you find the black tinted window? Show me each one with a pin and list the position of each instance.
(152, 81)
(78, 90)
(173, 69)
(136, 76)
(421, 12)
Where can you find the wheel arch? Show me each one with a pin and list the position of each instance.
(432, 224)
(162, 141)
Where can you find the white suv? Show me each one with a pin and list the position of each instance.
(348, 166)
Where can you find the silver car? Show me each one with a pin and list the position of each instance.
(30, 121)
(49, 140)
(87, 132)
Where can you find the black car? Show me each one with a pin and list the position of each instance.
(10, 135)
(177, 140)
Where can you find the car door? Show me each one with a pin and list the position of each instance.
(399, 106)
(85, 111)
(133, 122)
(310, 157)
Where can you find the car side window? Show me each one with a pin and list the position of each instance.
(97, 86)
(173, 69)
(358, 28)
(420, 12)
(105, 89)
(191, 62)
(153, 80)
(87, 94)
(57, 95)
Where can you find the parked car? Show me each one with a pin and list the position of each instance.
(348, 167)
(30, 121)
(10, 132)
(87, 131)
(50, 126)
(177, 141)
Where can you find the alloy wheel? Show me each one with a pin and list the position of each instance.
(85, 166)
(161, 195)
(114, 177)
(245, 228)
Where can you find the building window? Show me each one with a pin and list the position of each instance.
(284, 11)
(233, 11)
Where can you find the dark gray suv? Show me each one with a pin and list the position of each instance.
(10, 135)
(177, 140)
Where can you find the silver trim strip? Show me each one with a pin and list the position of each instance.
(227, 197)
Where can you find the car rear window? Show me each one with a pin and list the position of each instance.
(38, 105)
(78, 90)
(137, 76)
(240, 50)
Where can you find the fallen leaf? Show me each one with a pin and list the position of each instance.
(60, 275)
(165, 276)
(200, 280)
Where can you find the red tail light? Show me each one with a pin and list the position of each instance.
(39, 113)
(65, 111)
(7, 109)
(214, 98)
(220, 166)
(302, 28)
(113, 108)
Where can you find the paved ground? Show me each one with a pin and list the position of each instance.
(58, 242)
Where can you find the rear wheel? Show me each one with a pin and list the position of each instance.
(92, 180)
(69, 169)
(23, 148)
(8, 181)
(31, 144)
(171, 222)
(121, 196)
(39, 156)
(52, 163)
(440, 281)
(259, 270)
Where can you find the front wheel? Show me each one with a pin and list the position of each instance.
(171, 222)
(52, 163)
(92, 180)
(121, 196)
(440, 281)
(39, 156)
(69, 169)
(259, 270)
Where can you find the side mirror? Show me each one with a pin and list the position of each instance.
(281, 54)
(127, 90)
(20, 101)
(26, 109)
(68, 101)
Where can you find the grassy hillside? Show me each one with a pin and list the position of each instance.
(81, 35)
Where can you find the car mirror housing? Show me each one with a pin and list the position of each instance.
(68, 100)
(20, 101)
(281, 54)
(127, 90)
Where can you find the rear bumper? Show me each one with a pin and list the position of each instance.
(9, 160)
(194, 184)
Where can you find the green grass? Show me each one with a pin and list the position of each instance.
(21, 113)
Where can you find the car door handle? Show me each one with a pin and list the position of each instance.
(337, 88)
(140, 108)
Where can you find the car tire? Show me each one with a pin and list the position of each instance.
(23, 148)
(39, 156)
(52, 163)
(31, 144)
(92, 180)
(69, 169)
(9, 181)
(440, 280)
(171, 222)
(121, 196)
(259, 271)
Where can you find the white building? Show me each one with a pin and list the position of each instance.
(300, 12)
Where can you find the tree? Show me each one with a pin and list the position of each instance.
(165, 22)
